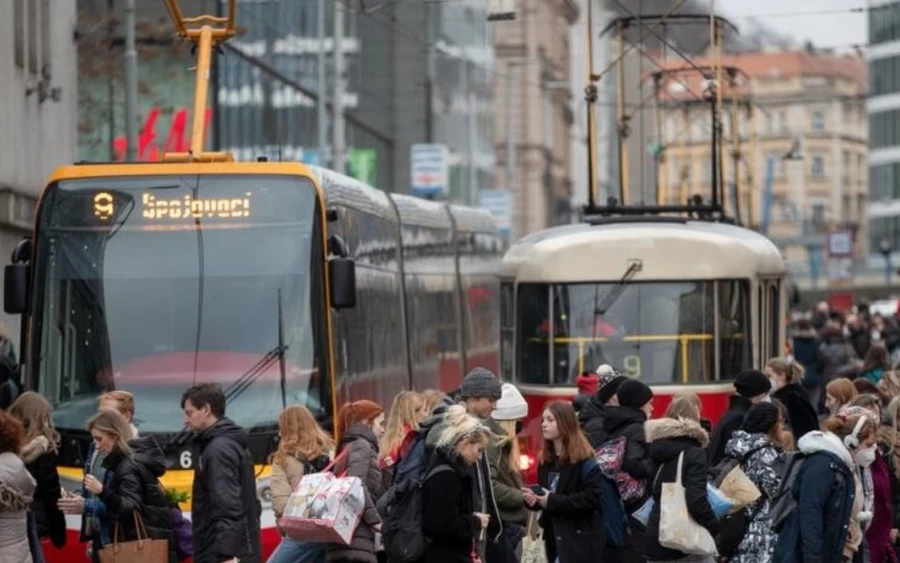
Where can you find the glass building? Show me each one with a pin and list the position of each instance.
(398, 91)
(884, 124)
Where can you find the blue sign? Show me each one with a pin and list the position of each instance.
(499, 204)
(429, 170)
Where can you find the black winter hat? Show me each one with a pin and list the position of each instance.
(760, 418)
(751, 383)
(609, 386)
(634, 394)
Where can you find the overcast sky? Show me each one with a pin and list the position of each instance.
(827, 23)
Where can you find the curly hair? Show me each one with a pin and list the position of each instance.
(12, 433)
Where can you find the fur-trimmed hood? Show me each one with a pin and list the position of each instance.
(34, 449)
(668, 428)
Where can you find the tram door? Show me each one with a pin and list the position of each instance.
(769, 318)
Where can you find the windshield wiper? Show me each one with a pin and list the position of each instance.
(612, 295)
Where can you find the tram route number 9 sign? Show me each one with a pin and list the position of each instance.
(186, 207)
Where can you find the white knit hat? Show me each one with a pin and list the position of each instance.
(511, 406)
(605, 369)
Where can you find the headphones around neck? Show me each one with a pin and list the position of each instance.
(852, 440)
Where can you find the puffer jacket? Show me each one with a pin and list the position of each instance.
(16, 490)
(591, 418)
(669, 438)
(287, 474)
(225, 511)
(764, 468)
(41, 463)
(825, 490)
(507, 484)
(361, 461)
(629, 422)
(131, 486)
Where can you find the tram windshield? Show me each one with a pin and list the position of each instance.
(659, 332)
(151, 284)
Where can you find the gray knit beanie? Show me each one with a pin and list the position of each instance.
(481, 383)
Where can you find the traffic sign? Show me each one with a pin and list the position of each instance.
(429, 169)
(499, 204)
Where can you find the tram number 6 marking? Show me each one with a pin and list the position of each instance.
(185, 459)
(632, 365)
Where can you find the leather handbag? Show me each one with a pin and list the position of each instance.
(141, 550)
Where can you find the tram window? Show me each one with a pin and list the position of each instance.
(507, 330)
(660, 332)
(734, 327)
(774, 319)
(534, 330)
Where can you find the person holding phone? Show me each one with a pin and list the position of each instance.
(569, 490)
(449, 516)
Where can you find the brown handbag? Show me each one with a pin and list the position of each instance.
(141, 550)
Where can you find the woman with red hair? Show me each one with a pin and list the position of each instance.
(360, 426)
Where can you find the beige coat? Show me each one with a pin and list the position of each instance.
(16, 490)
(285, 477)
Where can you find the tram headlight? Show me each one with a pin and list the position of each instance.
(264, 491)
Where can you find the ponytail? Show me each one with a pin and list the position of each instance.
(792, 371)
(357, 411)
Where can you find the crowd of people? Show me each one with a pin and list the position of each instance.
(816, 433)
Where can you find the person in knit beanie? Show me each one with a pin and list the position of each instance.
(480, 391)
(593, 412)
(752, 386)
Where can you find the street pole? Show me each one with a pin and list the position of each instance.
(510, 144)
(322, 115)
(338, 145)
(470, 133)
(130, 83)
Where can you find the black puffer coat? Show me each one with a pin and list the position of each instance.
(668, 439)
(732, 420)
(225, 512)
(132, 487)
(629, 422)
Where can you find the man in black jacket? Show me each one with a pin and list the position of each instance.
(225, 510)
(593, 414)
(752, 386)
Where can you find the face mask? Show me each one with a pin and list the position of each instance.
(864, 458)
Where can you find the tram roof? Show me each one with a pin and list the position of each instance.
(667, 250)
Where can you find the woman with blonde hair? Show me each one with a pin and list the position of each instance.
(786, 377)
(449, 518)
(504, 460)
(431, 398)
(684, 405)
(407, 412)
(303, 448)
(130, 486)
(39, 453)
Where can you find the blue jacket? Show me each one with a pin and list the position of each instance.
(817, 529)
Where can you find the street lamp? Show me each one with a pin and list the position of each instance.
(885, 248)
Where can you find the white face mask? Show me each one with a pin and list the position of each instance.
(864, 458)
(766, 399)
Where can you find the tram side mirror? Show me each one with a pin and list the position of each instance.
(342, 277)
(15, 288)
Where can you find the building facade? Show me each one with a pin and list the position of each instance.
(884, 127)
(38, 111)
(808, 119)
(532, 93)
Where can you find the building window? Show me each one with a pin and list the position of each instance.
(818, 166)
(818, 121)
(818, 214)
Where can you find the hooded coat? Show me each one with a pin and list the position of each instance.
(41, 463)
(825, 490)
(591, 417)
(225, 510)
(16, 490)
(764, 468)
(668, 439)
(362, 462)
(629, 422)
(131, 486)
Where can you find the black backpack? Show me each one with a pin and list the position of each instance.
(733, 527)
(404, 540)
(785, 501)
